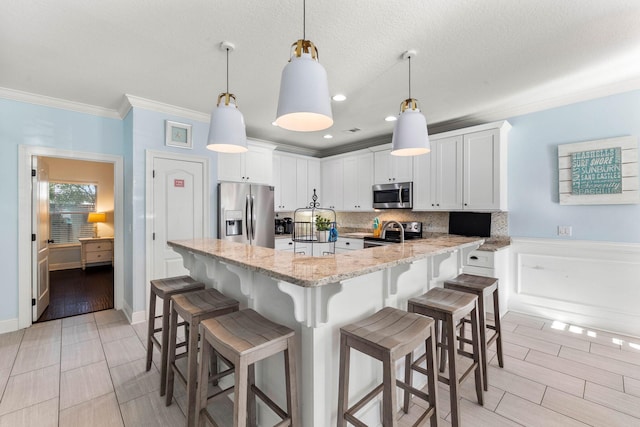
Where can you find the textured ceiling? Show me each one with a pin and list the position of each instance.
(477, 60)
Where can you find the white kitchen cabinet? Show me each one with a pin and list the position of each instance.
(255, 166)
(491, 264)
(347, 244)
(283, 244)
(284, 182)
(332, 183)
(294, 178)
(485, 170)
(467, 170)
(390, 169)
(358, 179)
(446, 173)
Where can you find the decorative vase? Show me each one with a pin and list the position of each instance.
(323, 236)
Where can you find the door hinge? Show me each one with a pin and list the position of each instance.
(33, 301)
(33, 172)
(153, 173)
(153, 236)
(33, 237)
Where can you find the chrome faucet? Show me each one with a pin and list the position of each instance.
(384, 230)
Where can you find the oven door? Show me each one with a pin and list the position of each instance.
(393, 196)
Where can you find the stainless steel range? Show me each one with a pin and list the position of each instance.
(393, 233)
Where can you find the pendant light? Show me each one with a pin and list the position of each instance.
(410, 136)
(304, 104)
(227, 132)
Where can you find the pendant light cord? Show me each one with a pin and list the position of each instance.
(227, 70)
(409, 77)
(304, 20)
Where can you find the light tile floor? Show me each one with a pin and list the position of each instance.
(89, 370)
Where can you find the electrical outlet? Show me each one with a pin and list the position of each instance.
(564, 230)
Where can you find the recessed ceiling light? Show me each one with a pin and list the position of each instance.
(339, 97)
(391, 118)
(328, 136)
(274, 123)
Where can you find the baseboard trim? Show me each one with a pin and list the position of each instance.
(9, 325)
(138, 317)
(64, 266)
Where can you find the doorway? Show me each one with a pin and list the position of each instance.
(26, 278)
(73, 219)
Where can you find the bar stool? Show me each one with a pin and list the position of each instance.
(482, 286)
(448, 307)
(165, 288)
(193, 307)
(387, 336)
(242, 339)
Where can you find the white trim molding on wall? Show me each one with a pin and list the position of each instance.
(587, 283)
(25, 153)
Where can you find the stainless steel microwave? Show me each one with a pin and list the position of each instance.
(398, 195)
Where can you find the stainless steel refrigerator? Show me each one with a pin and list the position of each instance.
(245, 213)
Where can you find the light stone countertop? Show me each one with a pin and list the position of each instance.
(307, 271)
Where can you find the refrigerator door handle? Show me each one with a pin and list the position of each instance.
(247, 217)
(253, 220)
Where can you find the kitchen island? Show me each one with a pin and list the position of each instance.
(315, 296)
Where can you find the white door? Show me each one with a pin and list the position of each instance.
(178, 211)
(40, 228)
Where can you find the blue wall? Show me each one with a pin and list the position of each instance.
(27, 124)
(534, 209)
(148, 134)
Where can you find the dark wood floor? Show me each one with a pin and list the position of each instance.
(79, 291)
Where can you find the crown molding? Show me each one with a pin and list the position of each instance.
(130, 101)
(63, 104)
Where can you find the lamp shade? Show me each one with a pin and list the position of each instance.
(410, 136)
(95, 217)
(227, 132)
(304, 103)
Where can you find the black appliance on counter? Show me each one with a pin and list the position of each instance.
(474, 224)
(412, 230)
(284, 225)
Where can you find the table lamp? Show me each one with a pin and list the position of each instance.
(95, 218)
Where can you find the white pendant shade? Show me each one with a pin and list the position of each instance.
(304, 104)
(410, 136)
(227, 132)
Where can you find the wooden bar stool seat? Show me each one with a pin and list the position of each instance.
(242, 339)
(164, 289)
(193, 307)
(387, 336)
(482, 287)
(448, 307)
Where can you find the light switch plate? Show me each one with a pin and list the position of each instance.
(564, 230)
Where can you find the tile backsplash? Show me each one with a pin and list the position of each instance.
(433, 222)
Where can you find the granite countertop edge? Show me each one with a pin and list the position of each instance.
(357, 263)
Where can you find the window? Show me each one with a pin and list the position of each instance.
(69, 206)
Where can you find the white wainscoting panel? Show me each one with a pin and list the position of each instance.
(64, 257)
(587, 283)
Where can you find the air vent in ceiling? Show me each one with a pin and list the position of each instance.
(353, 130)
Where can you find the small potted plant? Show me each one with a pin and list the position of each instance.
(323, 225)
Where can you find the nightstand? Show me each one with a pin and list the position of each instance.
(96, 251)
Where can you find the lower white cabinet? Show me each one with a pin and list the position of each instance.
(491, 264)
(283, 244)
(346, 244)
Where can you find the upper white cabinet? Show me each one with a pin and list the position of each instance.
(332, 170)
(255, 166)
(466, 170)
(295, 178)
(358, 179)
(389, 169)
